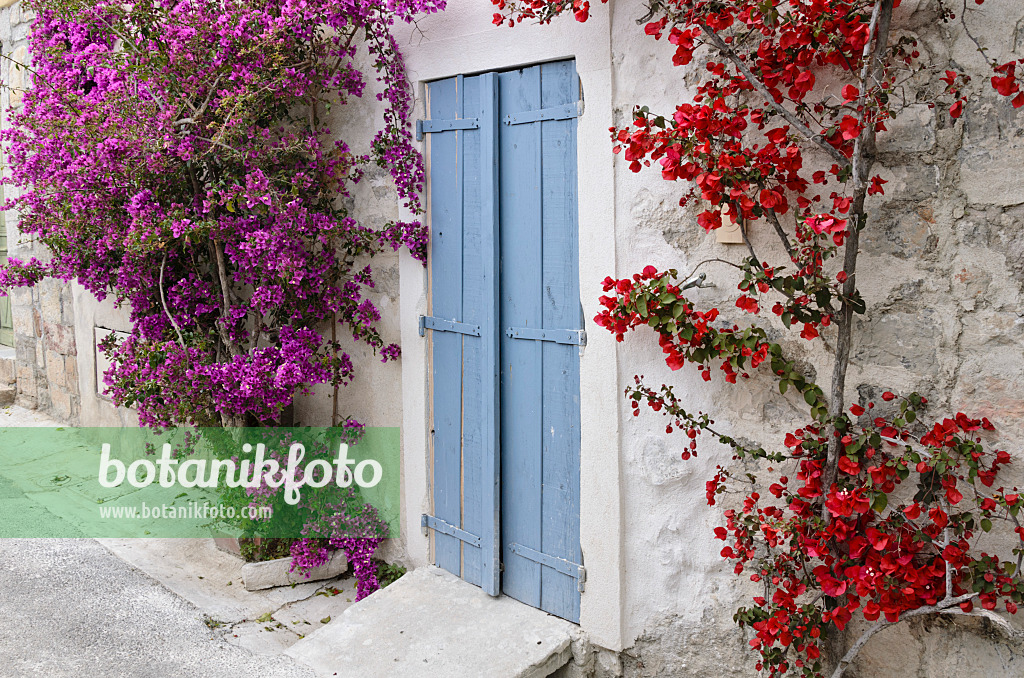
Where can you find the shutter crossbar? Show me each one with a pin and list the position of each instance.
(566, 567)
(565, 112)
(571, 337)
(444, 527)
(432, 126)
(440, 325)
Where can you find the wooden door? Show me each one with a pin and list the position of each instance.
(506, 331)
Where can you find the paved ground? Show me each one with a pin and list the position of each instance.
(70, 608)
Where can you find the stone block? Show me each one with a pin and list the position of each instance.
(60, 403)
(991, 156)
(56, 377)
(16, 79)
(904, 234)
(907, 182)
(24, 349)
(271, 573)
(21, 296)
(912, 131)
(26, 376)
(59, 338)
(71, 375)
(67, 307)
(904, 340)
(50, 302)
(8, 373)
(22, 317)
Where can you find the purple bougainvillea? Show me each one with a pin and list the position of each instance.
(176, 156)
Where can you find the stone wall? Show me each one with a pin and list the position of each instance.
(942, 274)
(44, 317)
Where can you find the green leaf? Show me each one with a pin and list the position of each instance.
(783, 386)
(857, 304)
(986, 524)
(880, 502)
(809, 397)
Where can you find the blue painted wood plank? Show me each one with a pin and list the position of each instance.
(490, 346)
(446, 302)
(472, 354)
(560, 309)
(521, 367)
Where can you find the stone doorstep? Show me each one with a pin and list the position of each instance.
(431, 624)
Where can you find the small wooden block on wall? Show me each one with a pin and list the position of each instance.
(729, 233)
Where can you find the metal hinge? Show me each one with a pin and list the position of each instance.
(441, 325)
(438, 525)
(566, 567)
(431, 126)
(572, 337)
(565, 112)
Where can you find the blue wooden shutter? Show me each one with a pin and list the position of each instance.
(542, 329)
(462, 129)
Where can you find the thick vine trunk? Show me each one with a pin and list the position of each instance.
(863, 159)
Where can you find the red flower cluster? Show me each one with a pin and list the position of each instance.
(685, 334)
(867, 558)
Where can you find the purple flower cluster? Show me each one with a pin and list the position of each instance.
(176, 156)
(413, 236)
(352, 526)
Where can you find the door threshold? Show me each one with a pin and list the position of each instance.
(431, 624)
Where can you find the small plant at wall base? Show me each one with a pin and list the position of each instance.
(853, 513)
(177, 156)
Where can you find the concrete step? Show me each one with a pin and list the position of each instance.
(431, 624)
